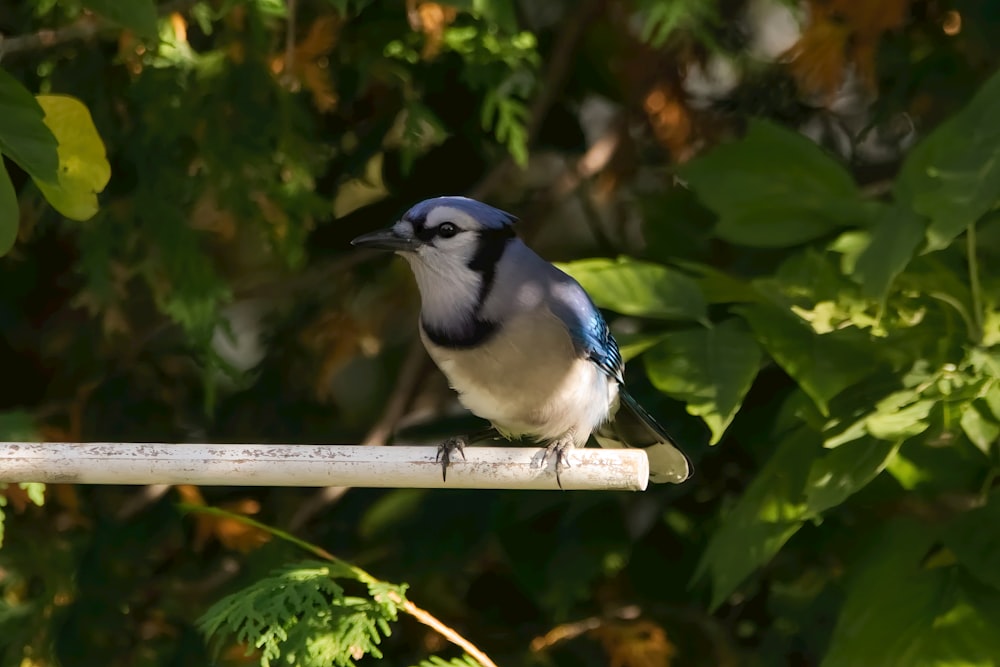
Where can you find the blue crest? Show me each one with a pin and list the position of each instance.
(488, 216)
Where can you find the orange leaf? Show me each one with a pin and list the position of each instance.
(820, 57)
(17, 497)
(231, 533)
(320, 39)
(670, 119)
(640, 643)
(311, 63)
(843, 32)
(432, 19)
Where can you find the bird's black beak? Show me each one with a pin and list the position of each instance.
(385, 239)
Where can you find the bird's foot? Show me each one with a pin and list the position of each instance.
(559, 449)
(445, 451)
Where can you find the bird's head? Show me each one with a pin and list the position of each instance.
(444, 232)
(453, 245)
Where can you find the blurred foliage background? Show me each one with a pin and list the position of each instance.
(788, 209)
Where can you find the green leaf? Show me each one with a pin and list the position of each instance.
(631, 345)
(769, 513)
(35, 492)
(718, 286)
(992, 399)
(845, 470)
(17, 425)
(631, 287)
(894, 240)
(899, 416)
(435, 661)
(663, 19)
(899, 615)
(822, 364)
(24, 136)
(980, 426)
(775, 188)
(953, 176)
(83, 164)
(711, 370)
(138, 16)
(975, 540)
(10, 214)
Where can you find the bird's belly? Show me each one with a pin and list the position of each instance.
(529, 381)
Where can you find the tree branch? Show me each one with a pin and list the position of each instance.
(88, 26)
(448, 633)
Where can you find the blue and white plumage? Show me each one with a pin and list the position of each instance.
(519, 340)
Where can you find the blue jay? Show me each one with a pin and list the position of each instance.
(519, 340)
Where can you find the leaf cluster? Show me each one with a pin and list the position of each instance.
(300, 615)
(881, 314)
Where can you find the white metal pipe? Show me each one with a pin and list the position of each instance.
(316, 465)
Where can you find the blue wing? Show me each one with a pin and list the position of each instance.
(598, 345)
(586, 326)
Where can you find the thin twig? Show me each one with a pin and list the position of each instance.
(574, 629)
(148, 495)
(290, 41)
(86, 27)
(977, 299)
(315, 504)
(448, 633)
(412, 371)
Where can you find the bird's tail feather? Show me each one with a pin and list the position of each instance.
(632, 426)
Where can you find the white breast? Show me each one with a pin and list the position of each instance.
(528, 380)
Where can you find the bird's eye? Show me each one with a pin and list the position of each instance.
(447, 230)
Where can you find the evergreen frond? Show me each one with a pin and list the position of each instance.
(435, 661)
(300, 615)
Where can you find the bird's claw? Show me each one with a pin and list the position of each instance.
(560, 450)
(444, 452)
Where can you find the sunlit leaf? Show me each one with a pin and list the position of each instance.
(83, 164)
(822, 364)
(844, 471)
(771, 510)
(774, 188)
(24, 136)
(631, 287)
(953, 175)
(900, 415)
(710, 369)
(992, 400)
(980, 426)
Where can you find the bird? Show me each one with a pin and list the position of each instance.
(519, 340)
